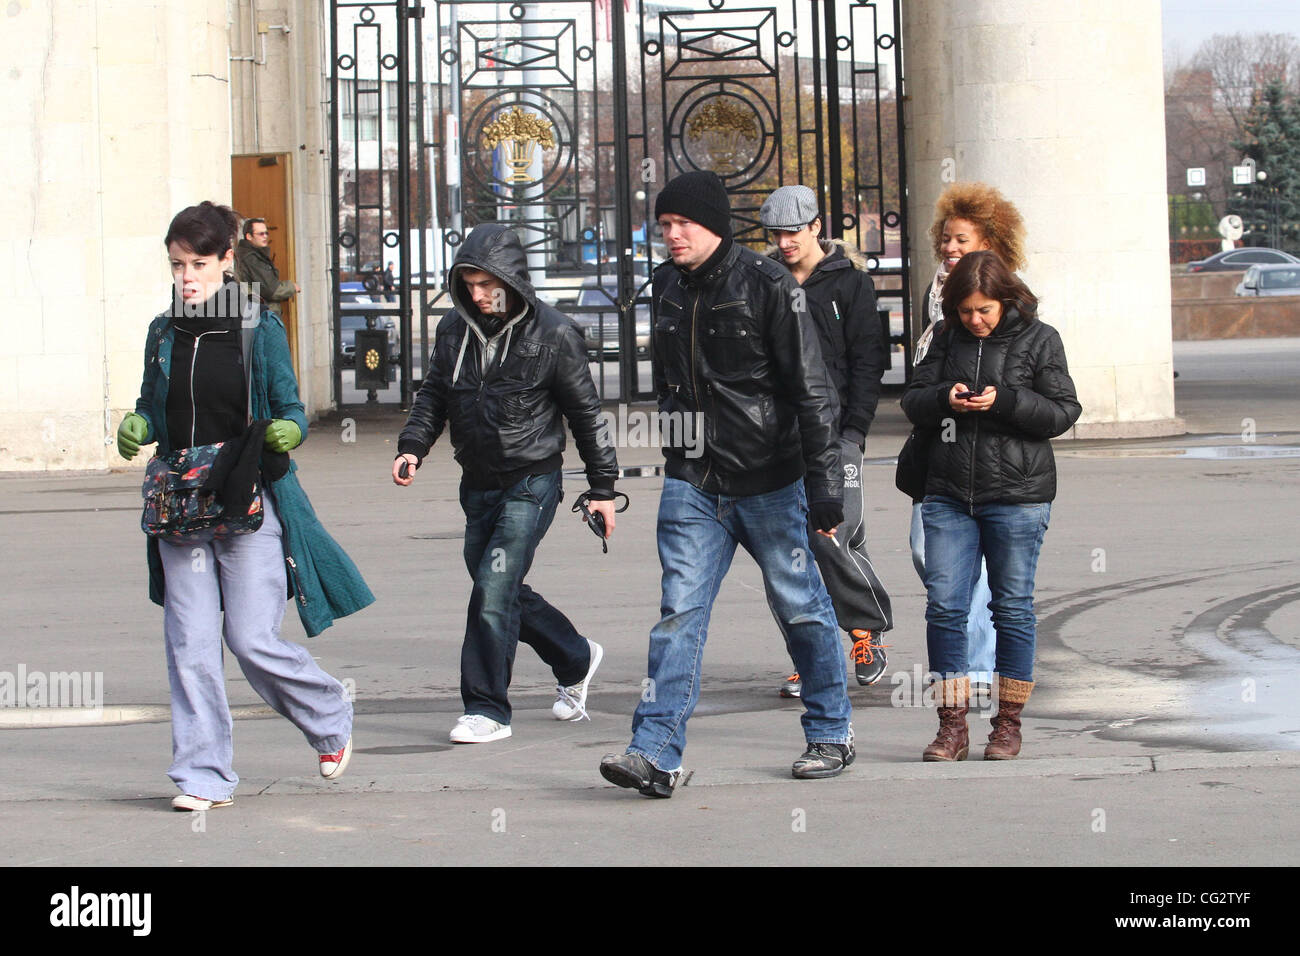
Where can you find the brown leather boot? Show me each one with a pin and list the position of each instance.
(953, 739)
(1004, 738)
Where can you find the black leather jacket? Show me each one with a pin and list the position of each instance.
(1004, 455)
(506, 419)
(728, 345)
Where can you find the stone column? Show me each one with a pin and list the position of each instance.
(117, 116)
(1061, 107)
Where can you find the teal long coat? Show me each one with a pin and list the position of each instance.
(323, 582)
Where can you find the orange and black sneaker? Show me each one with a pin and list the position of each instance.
(868, 655)
(792, 686)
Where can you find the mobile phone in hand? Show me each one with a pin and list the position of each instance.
(972, 394)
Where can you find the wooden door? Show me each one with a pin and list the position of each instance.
(260, 187)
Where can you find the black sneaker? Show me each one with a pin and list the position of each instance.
(792, 686)
(823, 760)
(868, 655)
(639, 774)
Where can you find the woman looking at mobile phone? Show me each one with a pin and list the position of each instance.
(968, 217)
(1000, 375)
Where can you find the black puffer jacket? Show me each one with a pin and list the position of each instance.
(729, 346)
(506, 418)
(1003, 455)
(842, 299)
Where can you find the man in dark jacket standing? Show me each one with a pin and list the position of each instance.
(507, 370)
(841, 298)
(731, 352)
(253, 265)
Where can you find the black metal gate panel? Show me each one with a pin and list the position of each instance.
(535, 95)
(565, 119)
(791, 92)
(371, 163)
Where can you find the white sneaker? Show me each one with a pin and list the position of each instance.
(571, 702)
(187, 801)
(477, 729)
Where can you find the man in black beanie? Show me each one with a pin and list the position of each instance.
(733, 356)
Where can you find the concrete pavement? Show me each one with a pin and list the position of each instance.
(1165, 728)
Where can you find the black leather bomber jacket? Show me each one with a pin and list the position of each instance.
(506, 412)
(731, 353)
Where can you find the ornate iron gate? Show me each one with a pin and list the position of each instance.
(566, 117)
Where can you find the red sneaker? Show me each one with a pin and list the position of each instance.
(333, 765)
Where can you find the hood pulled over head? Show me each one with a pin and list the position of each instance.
(495, 248)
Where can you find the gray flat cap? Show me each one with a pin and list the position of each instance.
(790, 207)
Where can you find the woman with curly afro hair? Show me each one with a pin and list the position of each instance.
(968, 217)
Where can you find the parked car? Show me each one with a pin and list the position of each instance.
(355, 304)
(1234, 260)
(1270, 280)
(600, 325)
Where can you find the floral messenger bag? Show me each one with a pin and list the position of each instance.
(183, 489)
(180, 502)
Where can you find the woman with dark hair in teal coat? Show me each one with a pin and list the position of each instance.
(214, 362)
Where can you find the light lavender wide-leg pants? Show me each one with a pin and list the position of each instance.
(246, 573)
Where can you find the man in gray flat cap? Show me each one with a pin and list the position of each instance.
(839, 294)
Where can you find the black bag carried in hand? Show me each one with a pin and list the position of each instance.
(914, 463)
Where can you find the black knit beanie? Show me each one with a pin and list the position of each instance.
(700, 196)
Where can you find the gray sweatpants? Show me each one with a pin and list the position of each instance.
(247, 573)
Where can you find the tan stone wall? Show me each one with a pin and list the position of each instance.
(1204, 285)
(1205, 306)
(1237, 317)
(116, 116)
(1061, 107)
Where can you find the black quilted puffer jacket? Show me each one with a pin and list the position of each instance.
(1004, 455)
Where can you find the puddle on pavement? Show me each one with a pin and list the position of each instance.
(1199, 452)
(1237, 683)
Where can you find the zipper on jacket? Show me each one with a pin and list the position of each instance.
(297, 585)
(194, 360)
(695, 309)
(979, 357)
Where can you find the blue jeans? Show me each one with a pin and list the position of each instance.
(981, 639)
(698, 533)
(502, 531)
(1009, 538)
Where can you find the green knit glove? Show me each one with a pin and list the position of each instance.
(131, 434)
(282, 435)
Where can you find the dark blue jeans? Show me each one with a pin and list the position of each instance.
(502, 531)
(1009, 537)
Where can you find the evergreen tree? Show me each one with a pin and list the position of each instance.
(1272, 140)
